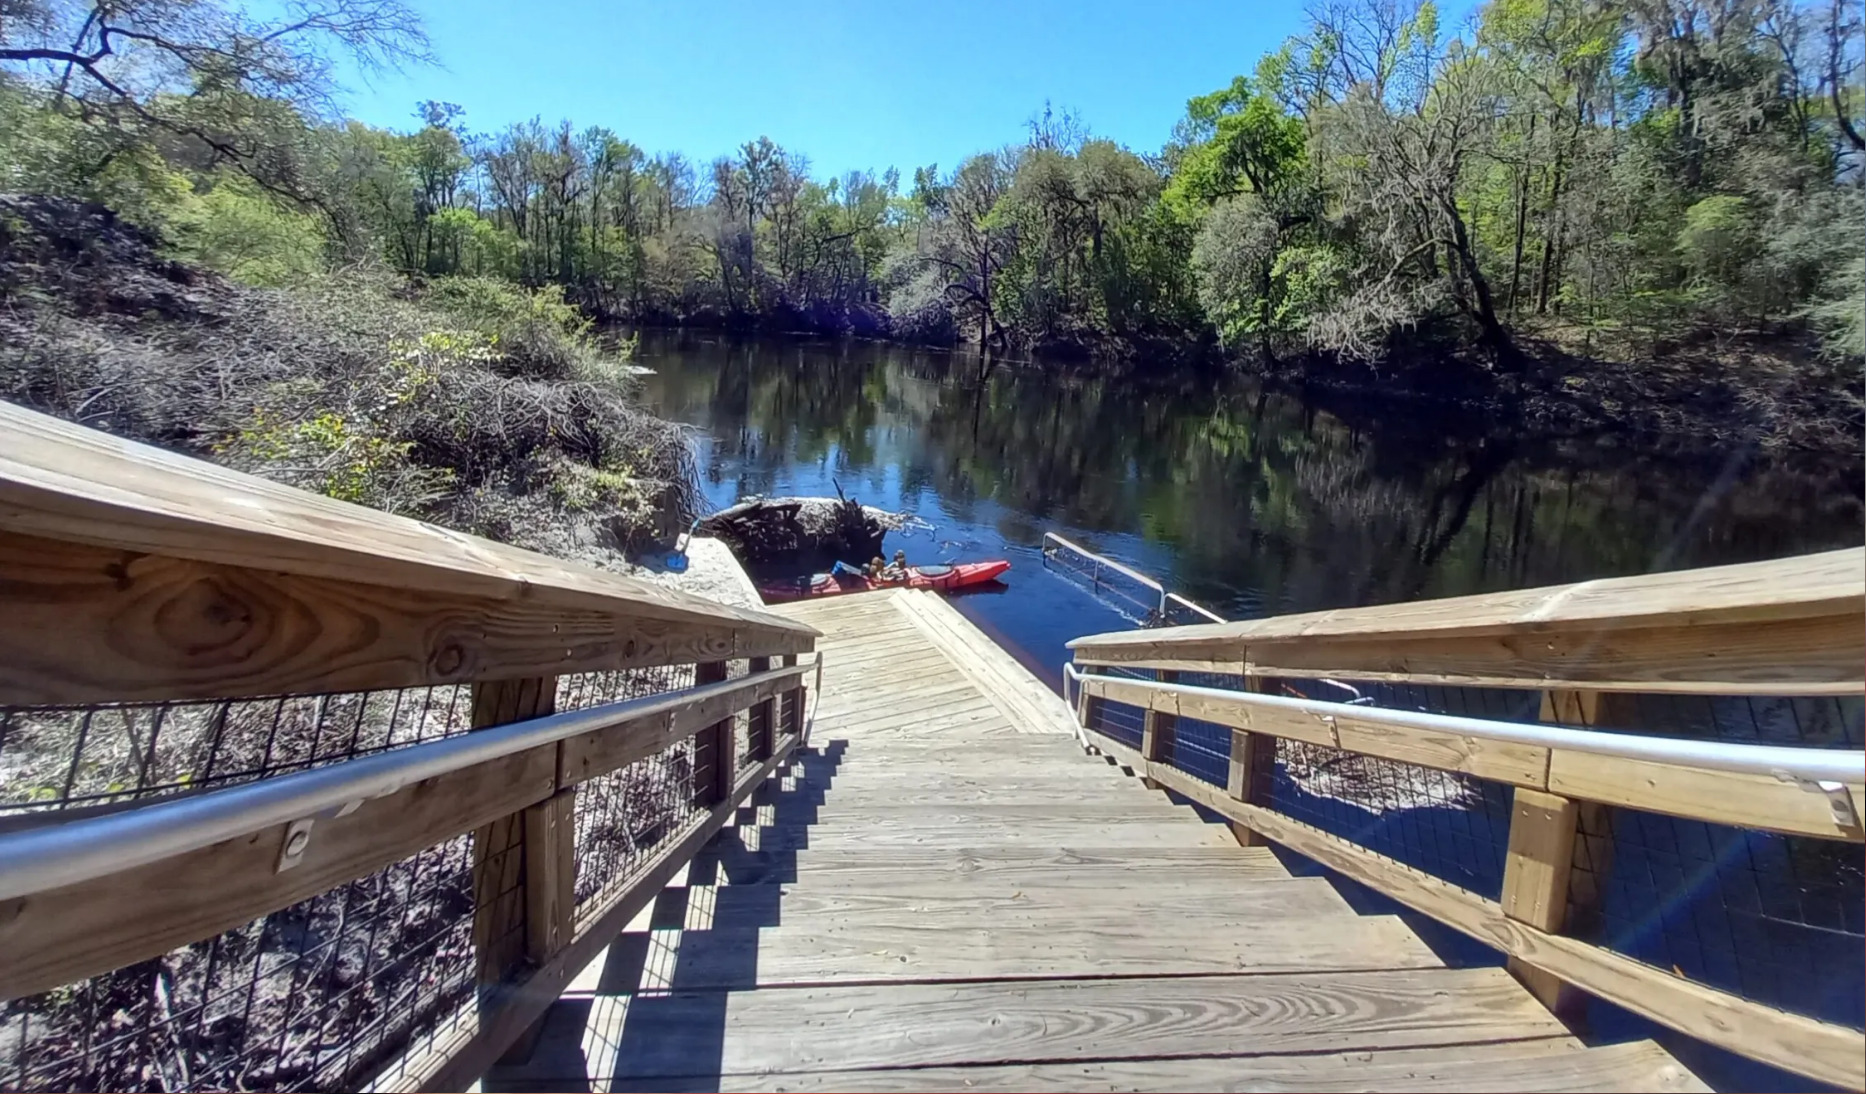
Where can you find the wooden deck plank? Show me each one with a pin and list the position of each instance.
(906, 898)
(876, 813)
(988, 869)
(1039, 946)
(958, 831)
(1517, 1067)
(929, 1025)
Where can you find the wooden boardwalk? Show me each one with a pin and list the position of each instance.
(946, 892)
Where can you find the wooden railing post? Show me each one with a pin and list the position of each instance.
(1156, 732)
(763, 721)
(714, 751)
(1542, 876)
(524, 864)
(1253, 760)
(790, 707)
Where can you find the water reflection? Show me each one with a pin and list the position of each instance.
(1248, 500)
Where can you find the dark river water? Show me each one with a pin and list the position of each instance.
(1248, 501)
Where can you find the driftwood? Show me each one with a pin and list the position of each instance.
(772, 530)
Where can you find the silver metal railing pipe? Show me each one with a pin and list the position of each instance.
(36, 859)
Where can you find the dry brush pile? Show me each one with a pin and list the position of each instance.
(466, 402)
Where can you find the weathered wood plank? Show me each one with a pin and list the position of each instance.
(1515, 1067)
(935, 900)
(93, 624)
(1535, 876)
(1722, 797)
(1039, 833)
(1807, 586)
(1059, 946)
(65, 482)
(916, 1025)
(63, 935)
(502, 871)
(875, 813)
(550, 875)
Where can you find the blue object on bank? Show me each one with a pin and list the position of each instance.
(677, 561)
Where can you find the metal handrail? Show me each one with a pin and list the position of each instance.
(1781, 761)
(56, 855)
(1136, 575)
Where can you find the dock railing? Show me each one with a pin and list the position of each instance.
(1094, 566)
(1645, 790)
(300, 795)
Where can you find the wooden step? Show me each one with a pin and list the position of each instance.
(887, 1026)
(905, 899)
(992, 867)
(1051, 834)
(1553, 1065)
(1038, 944)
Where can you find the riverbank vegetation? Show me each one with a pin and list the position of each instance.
(1624, 201)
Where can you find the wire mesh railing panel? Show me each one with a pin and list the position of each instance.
(1773, 918)
(624, 817)
(589, 689)
(313, 997)
(1807, 721)
(68, 757)
(1447, 824)
(1124, 724)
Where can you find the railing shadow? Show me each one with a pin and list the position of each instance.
(654, 1018)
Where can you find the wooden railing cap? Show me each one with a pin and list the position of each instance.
(65, 482)
(1808, 586)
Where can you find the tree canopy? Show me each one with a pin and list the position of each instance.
(1596, 172)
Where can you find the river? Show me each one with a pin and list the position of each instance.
(1255, 502)
(1248, 501)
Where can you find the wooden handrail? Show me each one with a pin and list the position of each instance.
(136, 574)
(60, 934)
(1806, 1046)
(1794, 626)
(1745, 798)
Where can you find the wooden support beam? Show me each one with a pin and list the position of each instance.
(714, 749)
(550, 875)
(1253, 764)
(763, 720)
(501, 877)
(1535, 879)
(1156, 733)
(791, 703)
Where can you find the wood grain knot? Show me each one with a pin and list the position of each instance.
(449, 659)
(207, 617)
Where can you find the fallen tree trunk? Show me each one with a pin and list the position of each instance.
(774, 530)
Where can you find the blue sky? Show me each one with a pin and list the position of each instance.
(849, 85)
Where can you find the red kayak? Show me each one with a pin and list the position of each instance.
(942, 578)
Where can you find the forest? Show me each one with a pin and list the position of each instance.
(1593, 179)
